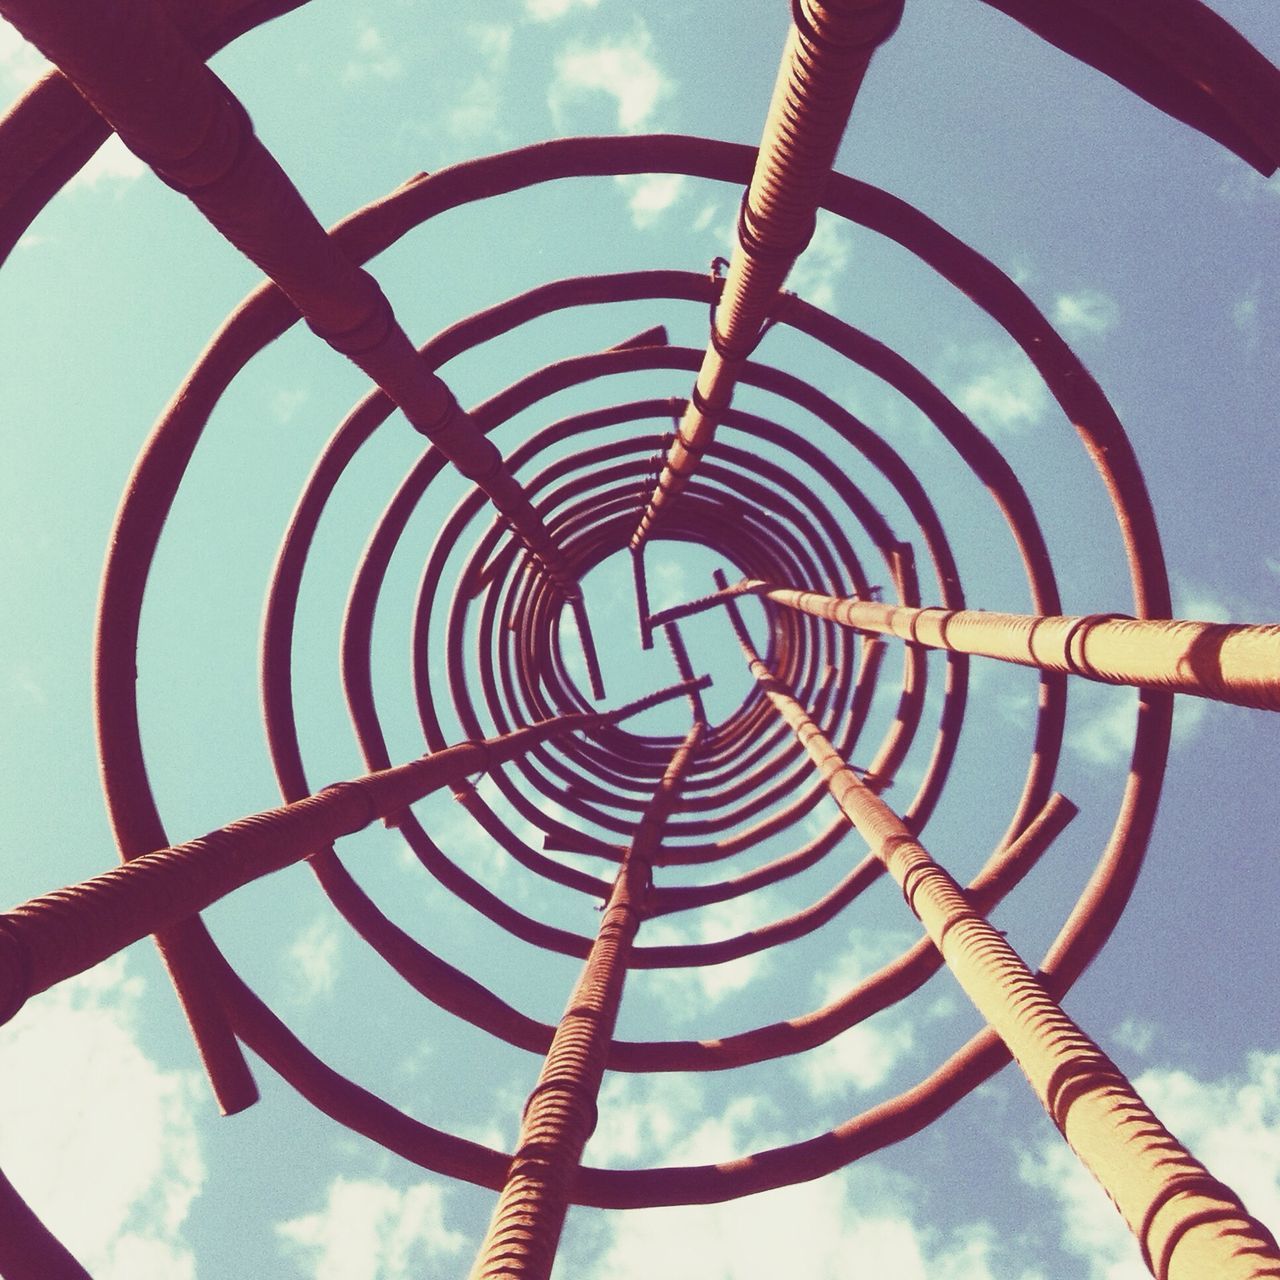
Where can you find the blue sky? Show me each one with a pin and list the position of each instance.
(1149, 247)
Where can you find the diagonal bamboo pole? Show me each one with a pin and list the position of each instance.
(130, 61)
(829, 47)
(1229, 662)
(560, 1114)
(59, 934)
(1188, 1225)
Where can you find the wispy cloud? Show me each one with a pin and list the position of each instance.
(650, 195)
(313, 958)
(819, 268)
(1232, 1124)
(620, 68)
(372, 58)
(1245, 317)
(20, 62)
(1244, 186)
(705, 217)
(1086, 313)
(864, 951)
(1101, 721)
(1135, 1034)
(998, 388)
(862, 1058)
(672, 1119)
(668, 583)
(852, 1215)
(477, 112)
(866, 1055)
(686, 991)
(372, 1230)
(1197, 602)
(112, 1169)
(113, 165)
(286, 402)
(551, 10)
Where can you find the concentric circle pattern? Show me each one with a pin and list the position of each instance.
(621, 634)
(496, 644)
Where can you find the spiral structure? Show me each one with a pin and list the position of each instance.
(646, 800)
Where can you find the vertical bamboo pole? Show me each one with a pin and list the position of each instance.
(829, 47)
(1188, 1225)
(560, 1113)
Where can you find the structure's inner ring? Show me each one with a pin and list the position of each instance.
(502, 629)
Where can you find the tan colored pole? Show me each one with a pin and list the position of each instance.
(1187, 1224)
(560, 1114)
(1230, 662)
(60, 934)
(828, 49)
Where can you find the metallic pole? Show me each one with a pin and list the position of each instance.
(828, 49)
(60, 934)
(1229, 662)
(560, 1114)
(1188, 1225)
(130, 61)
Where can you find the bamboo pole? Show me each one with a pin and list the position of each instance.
(1188, 1225)
(560, 1114)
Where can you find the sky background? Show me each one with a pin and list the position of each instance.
(1152, 250)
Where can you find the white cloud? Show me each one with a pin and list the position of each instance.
(1244, 315)
(706, 216)
(866, 1055)
(1087, 313)
(1000, 390)
(861, 1213)
(1091, 1227)
(286, 402)
(372, 59)
(371, 1230)
(1101, 722)
(685, 992)
(112, 163)
(824, 261)
(1135, 1034)
(668, 1119)
(551, 10)
(621, 68)
(1232, 1125)
(757, 1238)
(20, 62)
(313, 958)
(650, 195)
(1198, 603)
(1244, 186)
(862, 1058)
(865, 951)
(479, 107)
(113, 1169)
(667, 583)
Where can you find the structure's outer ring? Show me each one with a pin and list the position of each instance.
(265, 315)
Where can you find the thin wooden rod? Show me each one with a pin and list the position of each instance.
(134, 66)
(828, 49)
(1188, 1225)
(560, 1115)
(1229, 662)
(60, 934)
